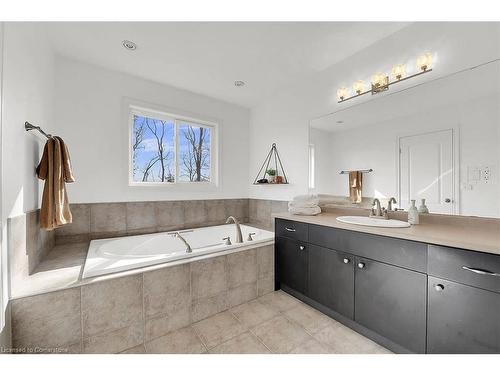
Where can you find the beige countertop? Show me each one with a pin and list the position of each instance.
(462, 232)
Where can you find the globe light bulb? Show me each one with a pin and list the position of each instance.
(398, 71)
(342, 93)
(424, 61)
(379, 79)
(359, 87)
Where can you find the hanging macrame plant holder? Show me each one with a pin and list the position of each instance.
(271, 172)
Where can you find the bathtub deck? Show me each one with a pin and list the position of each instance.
(63, 267)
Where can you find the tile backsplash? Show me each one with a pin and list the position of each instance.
(101, 220)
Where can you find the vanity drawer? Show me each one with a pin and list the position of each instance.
(331, 238)
(467, 267)
(291, 229)
(402, 253)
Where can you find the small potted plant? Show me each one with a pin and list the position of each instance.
(272, 175)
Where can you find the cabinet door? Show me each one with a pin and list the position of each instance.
(391, 301)
(462, 319)
(292, 264)
(331, 279)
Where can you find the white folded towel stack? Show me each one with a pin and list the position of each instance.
(304, 205)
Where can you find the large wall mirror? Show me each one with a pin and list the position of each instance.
(438, 141)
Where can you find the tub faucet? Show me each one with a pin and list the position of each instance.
(239, 236)
(188, 248)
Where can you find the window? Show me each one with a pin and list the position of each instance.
(311, 166)
(170, 149)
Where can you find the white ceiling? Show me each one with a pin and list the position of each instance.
(207, 58)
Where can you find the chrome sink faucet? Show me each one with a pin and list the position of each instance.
(379, 212)
(188, 247)
(389, 204)
(239, 236)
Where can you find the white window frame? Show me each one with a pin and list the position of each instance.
(177, 118)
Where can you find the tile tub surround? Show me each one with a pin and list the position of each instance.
(104, 220)
(122, 313)
(28, 244)
(260, 211)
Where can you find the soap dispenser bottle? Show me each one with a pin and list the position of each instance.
(413, 213)
(422, 209)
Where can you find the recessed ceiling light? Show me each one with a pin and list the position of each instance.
(340, 122)
(239, 83)
(131, 46)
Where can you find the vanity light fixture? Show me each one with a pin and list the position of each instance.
(380, 82)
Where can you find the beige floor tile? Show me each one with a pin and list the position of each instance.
(280, 335)
(253, 313)
(182, 341)
(162, 325)
(309, 318)
(279, 300)
(343, 340)
(218, 328)
(311, 346)
(241, 294)
(245, 343)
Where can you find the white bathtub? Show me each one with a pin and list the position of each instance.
(125, 253)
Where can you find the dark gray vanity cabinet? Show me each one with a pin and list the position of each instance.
(462, 318)
(391, 301)
(408, 296)
(292, 261)
(463, 301)
(331, 279)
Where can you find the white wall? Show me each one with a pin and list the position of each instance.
(284, 117)
(27, 95)
(90, 118)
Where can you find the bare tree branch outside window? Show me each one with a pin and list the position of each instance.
(194, 153)
(153, 151)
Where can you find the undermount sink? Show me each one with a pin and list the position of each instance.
(373, 222)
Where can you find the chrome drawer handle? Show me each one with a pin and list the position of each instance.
(290, 229)
(361, 265)
(346, 260)
(481, 272)
(302, 247)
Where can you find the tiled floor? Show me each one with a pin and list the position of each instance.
(273, 323)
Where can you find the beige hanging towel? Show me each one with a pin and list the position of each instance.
(355, 186)
(55, 170)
